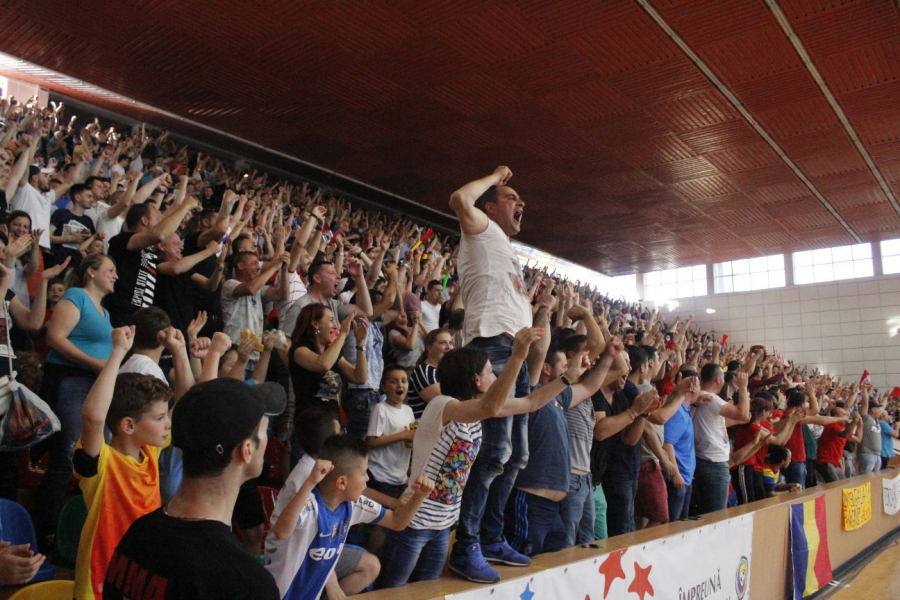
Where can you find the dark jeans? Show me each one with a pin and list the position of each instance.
(829, 473)
(742, 481)
(412, 555)
(620, 496)
(358, 405)
(537, 525)
(52, 493)
(710, 485)
(679, 502)
(503, 453)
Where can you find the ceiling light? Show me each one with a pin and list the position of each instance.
(710, 311)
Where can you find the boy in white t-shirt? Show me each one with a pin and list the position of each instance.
(389, 436)
(314, 524)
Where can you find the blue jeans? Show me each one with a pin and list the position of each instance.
(503, 453)
(710, 484)
(578, 510)
(600, 531)
(537, 524)
(796, 473)
(850, 469)
(413, 555)
(52, 493)
(620, 496)
(679, 502)
(358, 405)
(869, 463)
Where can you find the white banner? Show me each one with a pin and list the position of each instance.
(709, 563)
(891, 490)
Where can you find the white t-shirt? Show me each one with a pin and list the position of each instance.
(494, 291)
(431, 315)
(296, 290)
(710, 437)
(103, 224)
(298, 475)
(390, 464)
(144, 365)
(241, 312)
(445, 455)
(38, 205)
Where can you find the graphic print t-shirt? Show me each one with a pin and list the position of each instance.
(445, 455)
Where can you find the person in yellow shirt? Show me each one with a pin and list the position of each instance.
(120, 480)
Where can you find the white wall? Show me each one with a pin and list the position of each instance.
(841, 327)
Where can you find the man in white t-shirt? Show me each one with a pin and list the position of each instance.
(431, 307)
(711, 445)
(108, 219)
(243, 296)
(497, 305)
(29, 190)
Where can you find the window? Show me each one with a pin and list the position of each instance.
(675, 283)
(759, 273)
(833, 264)
(621, 286)
(890, 257)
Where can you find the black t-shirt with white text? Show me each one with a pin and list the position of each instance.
(62, 222)
(165, 558)
(136, 286)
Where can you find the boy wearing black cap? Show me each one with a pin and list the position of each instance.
(186, 549)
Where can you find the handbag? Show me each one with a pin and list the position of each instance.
(27, 419)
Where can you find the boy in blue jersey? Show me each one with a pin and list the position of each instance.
(315, 523)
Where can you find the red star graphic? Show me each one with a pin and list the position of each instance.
(611, 569)
(641, 584)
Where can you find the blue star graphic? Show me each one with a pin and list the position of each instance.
(527, 594)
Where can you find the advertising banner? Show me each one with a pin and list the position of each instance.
(709, 563)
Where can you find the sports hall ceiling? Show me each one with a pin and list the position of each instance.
(642, 134)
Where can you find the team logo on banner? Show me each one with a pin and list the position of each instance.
(742, 578)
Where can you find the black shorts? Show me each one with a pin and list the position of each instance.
(248, 509)
(394, 491)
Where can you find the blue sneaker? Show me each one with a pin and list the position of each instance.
(472, 566)
(504, 554)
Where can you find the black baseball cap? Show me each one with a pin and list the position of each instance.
(215, 416)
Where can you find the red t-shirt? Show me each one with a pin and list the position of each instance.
(795, 443)
(743, 436)
(763, 451)
(831, 444)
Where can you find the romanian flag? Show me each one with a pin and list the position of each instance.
(809, 548)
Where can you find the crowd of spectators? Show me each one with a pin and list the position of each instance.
(179, 313)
